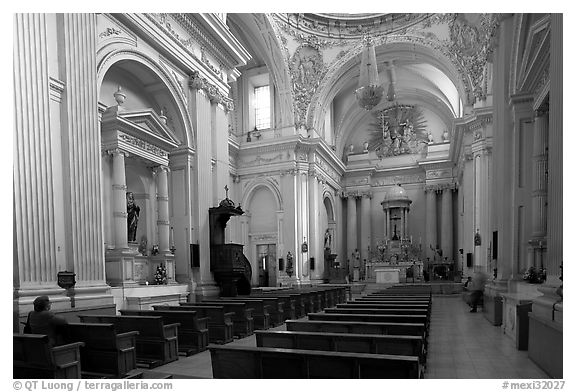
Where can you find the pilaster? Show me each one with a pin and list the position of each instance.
(366, 221)
(352, 228)
(431, 225)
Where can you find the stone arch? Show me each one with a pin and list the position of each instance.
(252, 188)
(176, 93)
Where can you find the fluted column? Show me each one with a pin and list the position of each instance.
(447, 223)
(431, 228)
(555, 168)
(365, 230)
(34, 240)
(163, 222)
(200, 108)
(119, 200)
(352, 228)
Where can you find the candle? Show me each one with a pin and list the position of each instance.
(410, 238)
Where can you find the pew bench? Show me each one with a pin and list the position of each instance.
(288, 303)
(34, 357)
(365, 317)
(358, 343)
(275, 307)
(106, 353)
(231, 361)
(156, 342)
(220, 326)
(242, 320)
(260, 311)
(421, 312)
(389, 306)
(193, 330)
(357, 327)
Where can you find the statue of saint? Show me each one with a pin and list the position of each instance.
(133, 214)
(327, 239)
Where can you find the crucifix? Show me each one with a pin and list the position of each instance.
(226, 189)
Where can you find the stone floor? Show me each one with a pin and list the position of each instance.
(461, 345)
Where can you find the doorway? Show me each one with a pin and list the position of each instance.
(266, 254)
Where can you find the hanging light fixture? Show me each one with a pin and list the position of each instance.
(369, 92)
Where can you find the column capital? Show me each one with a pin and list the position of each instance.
(160, 169)
(366, 194)
(116, 151)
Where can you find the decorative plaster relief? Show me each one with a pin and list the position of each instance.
(307, 69)
(357, 181)
(406, 179)
(260, 160)
(327, 169)
(145, 146)
(110, 30)
(214, 94)
(433, 174)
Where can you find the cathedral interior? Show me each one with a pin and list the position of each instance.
(168, 158)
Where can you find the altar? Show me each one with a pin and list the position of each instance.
(406, 270)
(387, 275)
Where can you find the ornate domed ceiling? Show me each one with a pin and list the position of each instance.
(434, 63)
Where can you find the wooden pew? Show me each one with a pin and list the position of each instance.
(288, 302)
(34, 357)
(220, 326)
(260, 312)
(106, 352)
(357, 327)
(375, 305)
(156, 343)
(422, 312)
(261, 362)
(275, 307)
(242, 320)
(384, 318)
(358, 343)
(193, 331)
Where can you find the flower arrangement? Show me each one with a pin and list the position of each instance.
(534, 276)
(160, 276)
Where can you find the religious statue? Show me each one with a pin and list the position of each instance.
(430, 138)
(133, 215)
(356, 258)
(351, 148)
(327, 239)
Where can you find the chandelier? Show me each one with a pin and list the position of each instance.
(369, 91)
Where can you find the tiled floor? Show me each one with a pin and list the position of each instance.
(461, 345)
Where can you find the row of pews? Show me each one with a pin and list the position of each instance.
(381, 335)
(118, 346)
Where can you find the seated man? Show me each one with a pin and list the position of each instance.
(467, 283)
(44, 322)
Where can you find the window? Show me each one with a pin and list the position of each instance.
(262, 107)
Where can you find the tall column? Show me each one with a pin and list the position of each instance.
(352, 229)
(446, 223)
(200, 107)
(119, 199)
(386, 224)
(315, 248)
(539, 187)
(35, 247)
(555, 168)
(365, 230)
(431, 233)
(163, 223)
(406, 230)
